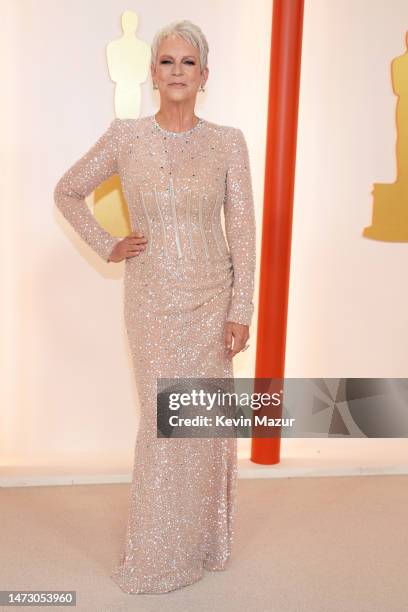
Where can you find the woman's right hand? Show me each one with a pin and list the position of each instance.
(128, 247)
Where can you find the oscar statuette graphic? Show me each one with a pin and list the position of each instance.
(128, 60)
(390, 200)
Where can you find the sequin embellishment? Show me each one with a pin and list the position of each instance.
(178, 294)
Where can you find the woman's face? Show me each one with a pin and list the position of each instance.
(177, 70)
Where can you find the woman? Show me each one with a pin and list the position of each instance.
(188, 303)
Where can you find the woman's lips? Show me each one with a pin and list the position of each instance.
(176, 85)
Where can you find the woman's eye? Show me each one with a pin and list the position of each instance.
(169, 62)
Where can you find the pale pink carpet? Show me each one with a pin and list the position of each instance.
(302, 544)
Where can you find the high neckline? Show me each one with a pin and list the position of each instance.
(170, 133)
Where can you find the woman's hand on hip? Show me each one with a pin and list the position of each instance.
(236, 336)
(128, 247)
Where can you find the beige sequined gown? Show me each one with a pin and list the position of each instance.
(178, 294)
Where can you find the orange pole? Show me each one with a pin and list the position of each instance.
(284, 80)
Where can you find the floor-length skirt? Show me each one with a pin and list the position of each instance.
(182, 498)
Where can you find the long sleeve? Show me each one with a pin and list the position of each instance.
(98, 164)
(240, 228)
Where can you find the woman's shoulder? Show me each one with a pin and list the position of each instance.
(230, 135)
(222, 128)
(125, 131)
(129, 125)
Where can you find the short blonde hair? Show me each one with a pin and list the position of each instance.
(187, 30)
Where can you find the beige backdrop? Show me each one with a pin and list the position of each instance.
(68, 397)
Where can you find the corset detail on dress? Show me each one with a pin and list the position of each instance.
(176, 185)
(183, 224)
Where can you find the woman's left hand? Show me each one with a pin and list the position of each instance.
(238, 333)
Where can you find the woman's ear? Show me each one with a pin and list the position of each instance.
(205, 74)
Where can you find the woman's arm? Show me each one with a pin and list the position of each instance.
(98, 164)
(240, 228)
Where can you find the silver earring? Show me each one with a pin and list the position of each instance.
(155, 86)
(202, 87)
